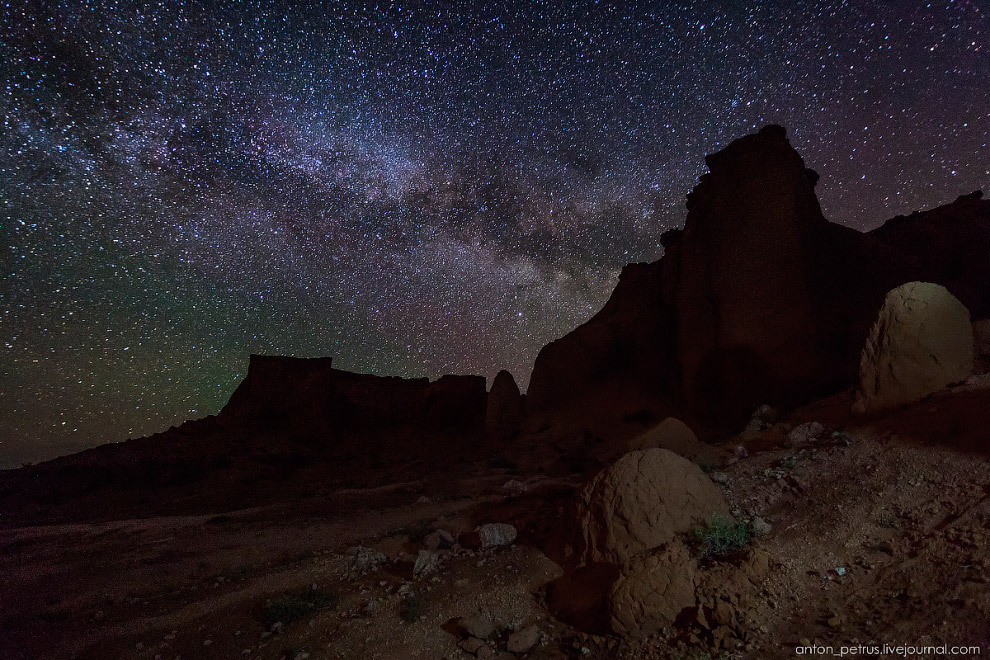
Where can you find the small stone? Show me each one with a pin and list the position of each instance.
(719, 477)
(515, 486)
(365, 560)
(724, 614)
(427, 562)
(438, 538)
(472, 645)
(494, 535)
(806, 433)
(523, 639)
(759, 526)
(207, 642)
(740, 451)
(477, 625)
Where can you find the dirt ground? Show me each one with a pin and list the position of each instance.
(878, 533)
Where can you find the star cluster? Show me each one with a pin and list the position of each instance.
(412, 189)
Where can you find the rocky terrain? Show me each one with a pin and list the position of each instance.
(771, 442)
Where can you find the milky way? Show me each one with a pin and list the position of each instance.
(412, 191)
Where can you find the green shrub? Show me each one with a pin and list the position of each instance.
(721, 537)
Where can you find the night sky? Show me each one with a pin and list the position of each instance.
(411, 191)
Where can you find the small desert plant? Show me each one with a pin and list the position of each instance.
(290, 607)
(720, 537)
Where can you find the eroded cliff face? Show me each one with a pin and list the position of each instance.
(285, 391)
(947, 245)
(623, 341)
(759, 298)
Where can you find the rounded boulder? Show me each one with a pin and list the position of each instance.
(921, 342)
(642, 501)
(651, 592)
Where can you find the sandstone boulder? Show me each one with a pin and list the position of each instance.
(981, 348)
(921, 341)
(652, 591)
(640, 502)
(504, 410)
(671, 433)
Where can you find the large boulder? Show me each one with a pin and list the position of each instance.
(921, 341)
(504, 410)
(642, 501)
(981, 346)
(671, 433)
(652, 591)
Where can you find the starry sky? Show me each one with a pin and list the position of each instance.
(412, 189)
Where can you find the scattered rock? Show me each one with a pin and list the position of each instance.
(806, 433)
(757, 567)
(652, 591)
(725, 614)
(472, 645)
(494, 535)
(479, 625)
(719, 477)
(365, 560)
(515, 486)
(427, 562)
(523, 640)
(438, 538)
(759, 526)
(763, 418)
(640, 502)
(921, 341)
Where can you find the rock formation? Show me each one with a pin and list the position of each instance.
(758, 299)
(640, 502)
(947, 245)
(622, 344)
(286, 391)
(505, 410)
(277, 387)
(921, 342)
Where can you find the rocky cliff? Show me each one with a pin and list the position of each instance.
(288, 391)
(759, 298)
